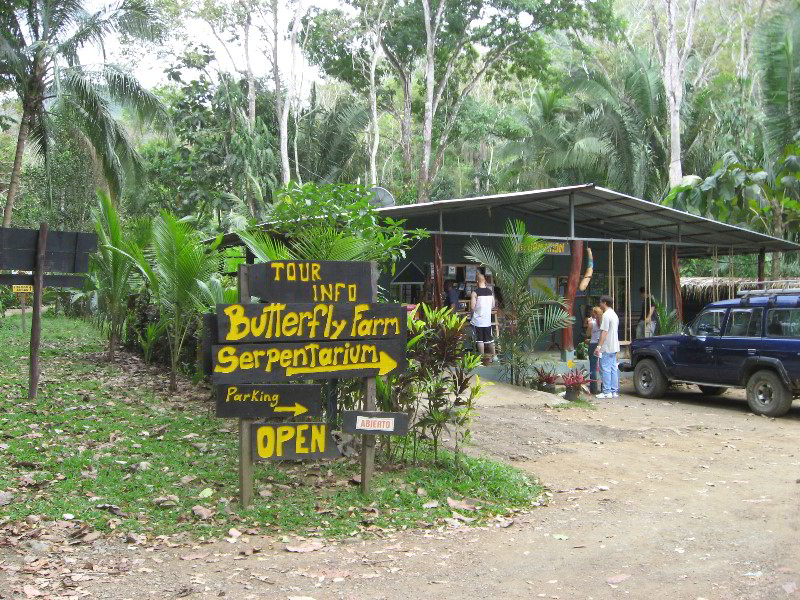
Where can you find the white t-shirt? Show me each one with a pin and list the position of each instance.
(484, 302)
(595, 330)
(610, 323)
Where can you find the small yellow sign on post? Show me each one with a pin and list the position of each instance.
(22, 289)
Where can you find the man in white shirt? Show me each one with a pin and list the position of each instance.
(482, 303)
(607, 348)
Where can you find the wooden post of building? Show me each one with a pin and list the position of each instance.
(22, 302)
(572, 290)
(36, 316)
(245, 443)
(369, 403)
(762, 263)
(438, 271)
(676, 283)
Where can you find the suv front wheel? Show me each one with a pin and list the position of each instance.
(648, 379)
(767, 395)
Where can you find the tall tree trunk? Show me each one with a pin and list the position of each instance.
(674, 71)
(296, 156)
(286, 171)
(13, 186)
(406, 131)
(251, 107)
(406, 119)
(280, 102)
(373, 105)
(674, 89)
(431, 27)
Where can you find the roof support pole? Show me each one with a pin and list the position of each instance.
(762, 264)
(571, 216)
(676, 283)
(438, 271)
(572, 289)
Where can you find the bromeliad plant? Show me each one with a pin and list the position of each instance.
(545, 377)
(576, 379)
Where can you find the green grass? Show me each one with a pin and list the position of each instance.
(579, 403)
(82, 443)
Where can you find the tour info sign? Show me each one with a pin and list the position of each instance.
(319, 323)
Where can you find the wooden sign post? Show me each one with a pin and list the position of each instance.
(22, 298)
(317, 320)
(245, 424)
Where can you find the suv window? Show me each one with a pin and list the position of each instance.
(744, 322)
(783, 322)
(708, 323)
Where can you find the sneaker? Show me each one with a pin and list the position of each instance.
(603, 396)
(615, 395)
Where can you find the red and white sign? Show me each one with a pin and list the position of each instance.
(374, 424)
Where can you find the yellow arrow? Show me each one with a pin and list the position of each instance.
(297, 409)
(385, 365)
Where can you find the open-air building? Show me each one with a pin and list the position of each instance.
(635, 243)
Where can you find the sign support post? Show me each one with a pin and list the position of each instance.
(36, 316)
(245, 439)
(369, 389)
(22, 298)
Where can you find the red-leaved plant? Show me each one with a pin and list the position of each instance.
(575, 379)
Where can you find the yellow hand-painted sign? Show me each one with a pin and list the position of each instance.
(292, 441)
(266, 363)
(22, 289)
(241, 323)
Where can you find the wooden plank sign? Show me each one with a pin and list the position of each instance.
(292, 441)
(245, 323)
(374, 422)
(296, 361)
(311, 281)
(22, 289)
(268, 401)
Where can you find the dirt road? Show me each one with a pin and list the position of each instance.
(685, 498)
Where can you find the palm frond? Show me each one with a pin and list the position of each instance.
(263, 246)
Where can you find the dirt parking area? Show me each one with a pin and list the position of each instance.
(681, 498)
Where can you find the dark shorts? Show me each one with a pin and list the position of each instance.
(483, 334)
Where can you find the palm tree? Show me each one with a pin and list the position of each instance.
(531, 313)
(39, 45)
(778, 61)
(178, 268)
(111, 269)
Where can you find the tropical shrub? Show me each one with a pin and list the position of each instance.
(530, 313)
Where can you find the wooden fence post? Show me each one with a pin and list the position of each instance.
(36, 316)
(245, 445)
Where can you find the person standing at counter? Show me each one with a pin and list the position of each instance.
(482, 303)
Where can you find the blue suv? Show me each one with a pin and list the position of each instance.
(751, 343)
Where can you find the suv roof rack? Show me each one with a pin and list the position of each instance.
(779, 287)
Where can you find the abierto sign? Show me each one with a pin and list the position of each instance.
(374, 422)
(296, 361)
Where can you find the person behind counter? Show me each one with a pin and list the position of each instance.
(482, 303)
(451, 295)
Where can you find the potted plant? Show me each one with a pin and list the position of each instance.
(574, 382)
(546, 378)
(582, 351)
